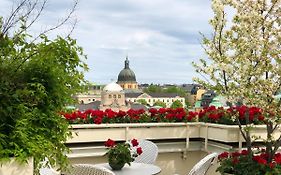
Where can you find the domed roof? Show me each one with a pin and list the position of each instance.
(126, 75)
(113, 87)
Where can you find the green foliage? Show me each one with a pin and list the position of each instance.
(160, 103)
(175, 89)
(176, 104)
(36, 81)
(120, 154)
(142, 101)
(158, 89)
(152, 89)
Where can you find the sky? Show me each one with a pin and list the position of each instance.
(160, 37)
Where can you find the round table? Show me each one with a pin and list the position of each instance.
(134, 169)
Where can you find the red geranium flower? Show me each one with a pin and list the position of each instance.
(135, 142)
(139, 150)
(223, 155)
(109, 143)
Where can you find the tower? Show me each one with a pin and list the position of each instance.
(127, 78)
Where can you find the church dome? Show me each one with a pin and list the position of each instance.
(126, 75)
(113, 87)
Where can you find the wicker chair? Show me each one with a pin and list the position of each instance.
(149, 154)
(88, 169)
(203, 165)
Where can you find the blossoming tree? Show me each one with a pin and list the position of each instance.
(244, 59)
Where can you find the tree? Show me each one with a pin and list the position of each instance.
(160, 103)
(38, 77)
(244, 60)
(176, 104)
(142, 101)
(153, 89)
(175, 89)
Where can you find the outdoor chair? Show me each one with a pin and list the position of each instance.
(88, 169)
(149, 152)
(203, 165)
(47, 169)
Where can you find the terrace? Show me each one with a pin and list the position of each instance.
(181, 142)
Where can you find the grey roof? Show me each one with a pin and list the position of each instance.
(191, 88)
(136, 106)
(133, 94)
(126, 75)
(128, 91)
(92, 105)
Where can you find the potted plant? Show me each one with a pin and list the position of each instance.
(121, 153)
(38, 77)
(241, 162)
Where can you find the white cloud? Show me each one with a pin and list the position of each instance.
(161, 37)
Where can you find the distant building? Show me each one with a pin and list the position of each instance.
(151, 98)
(93, 94)
(207, 98)
(113, 97)
(127, 78)
(194, 92)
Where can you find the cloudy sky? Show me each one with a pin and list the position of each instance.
(160, 37)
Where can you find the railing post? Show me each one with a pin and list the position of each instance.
(239, 141)
(186, 141)
(206, 138)
(126, 133)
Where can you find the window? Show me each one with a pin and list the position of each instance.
(89, 99)
(114, 96)
(168, 100)
(119, 96)
(109, 96)
(93, 99)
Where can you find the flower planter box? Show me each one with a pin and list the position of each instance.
(231, 133)
(121, 132)
(14, 168)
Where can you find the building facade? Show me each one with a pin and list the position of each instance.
(151, 98)
(93, 94)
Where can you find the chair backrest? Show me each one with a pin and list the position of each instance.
(47, 169)
(203, 165)
(149, 152)
(88, 169)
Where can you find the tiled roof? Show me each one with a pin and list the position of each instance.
(133, 95)
(92, 105)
